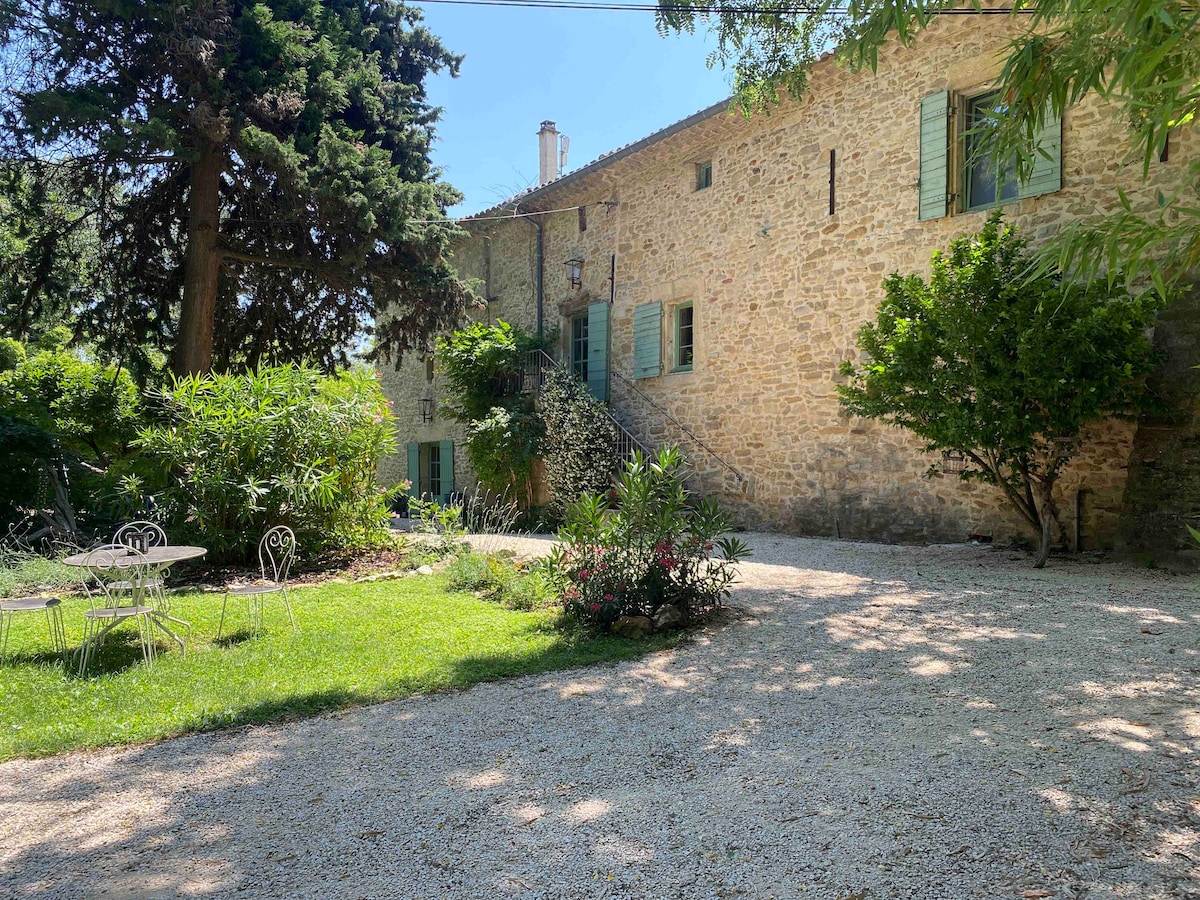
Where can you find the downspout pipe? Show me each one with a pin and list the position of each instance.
(540, 278)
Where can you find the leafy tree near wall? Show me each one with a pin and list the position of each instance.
(1004, 369)
(1141, 57)
(481, 364)
(257, 171)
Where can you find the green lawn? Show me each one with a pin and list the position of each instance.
(354, 644)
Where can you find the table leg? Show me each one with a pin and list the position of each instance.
(157, 620)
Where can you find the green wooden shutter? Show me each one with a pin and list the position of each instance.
(447, 457)
(414, 469)
(933, 189)
(1046, 177)
(597, 368)
(647, 340)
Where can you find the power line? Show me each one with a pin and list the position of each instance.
(700, 8)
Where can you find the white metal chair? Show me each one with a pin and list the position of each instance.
(120, 572)
(276, 551)
(53, 609)
(141, 536)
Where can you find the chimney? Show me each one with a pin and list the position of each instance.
(547, 153)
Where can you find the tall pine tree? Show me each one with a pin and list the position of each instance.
(259, 172)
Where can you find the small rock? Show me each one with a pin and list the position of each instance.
(425, 570)
(632, 626)
(667, 616)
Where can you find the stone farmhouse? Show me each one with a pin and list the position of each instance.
(707, 281)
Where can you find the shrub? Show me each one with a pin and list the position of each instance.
(237, 454)
(11, 354)
(643, 546)
(578, 449)
(90, 408)
(66, 421)
(502, 446)
(503, 580)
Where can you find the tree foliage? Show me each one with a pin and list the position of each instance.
(1141, 56)
(482, 365)
(47, 251)
(256, 171)
(66, 430)
(1007, 370)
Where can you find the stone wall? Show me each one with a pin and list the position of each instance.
(780, 287)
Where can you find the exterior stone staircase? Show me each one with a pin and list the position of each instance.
(532, 377)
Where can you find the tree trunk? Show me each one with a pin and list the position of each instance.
(193, 347)
(1047, 515)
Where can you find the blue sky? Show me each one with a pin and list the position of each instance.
(605, 78)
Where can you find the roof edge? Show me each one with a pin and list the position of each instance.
(606, 160)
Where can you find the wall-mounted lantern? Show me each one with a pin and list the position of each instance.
(575, 271)
(426, 408)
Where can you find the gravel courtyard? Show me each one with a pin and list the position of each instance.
(870, 722)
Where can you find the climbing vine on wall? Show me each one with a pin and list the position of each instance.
(579, 440)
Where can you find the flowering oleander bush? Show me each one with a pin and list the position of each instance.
(646, 544)
(233, 455)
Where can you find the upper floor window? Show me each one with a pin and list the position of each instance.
(685, 332)
(958, 173)
(987, 181)
(704, 175)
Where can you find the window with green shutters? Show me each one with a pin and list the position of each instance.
(647, 340)
(957, 171)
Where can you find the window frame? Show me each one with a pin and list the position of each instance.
(963, 123)
(433, 457)
(577, 346)
(677, 365)
(704, 175)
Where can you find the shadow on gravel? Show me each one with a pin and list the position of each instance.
(885, 724)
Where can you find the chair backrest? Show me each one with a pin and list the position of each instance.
(276, 551)
(140, 536)
(112, 564)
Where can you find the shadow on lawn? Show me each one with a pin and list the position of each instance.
(1016, 704)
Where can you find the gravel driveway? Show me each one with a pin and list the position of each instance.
(873, 722)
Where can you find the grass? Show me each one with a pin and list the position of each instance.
(355, 643)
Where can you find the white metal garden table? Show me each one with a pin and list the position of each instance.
(159, 559)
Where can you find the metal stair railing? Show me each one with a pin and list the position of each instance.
(691, 434)
(533, 376)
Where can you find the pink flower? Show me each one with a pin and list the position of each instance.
(595, 607)
(583, 574)
(601, 567)
(607, 597)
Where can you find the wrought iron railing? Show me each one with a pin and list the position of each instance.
(533, 376)
(674, 421)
